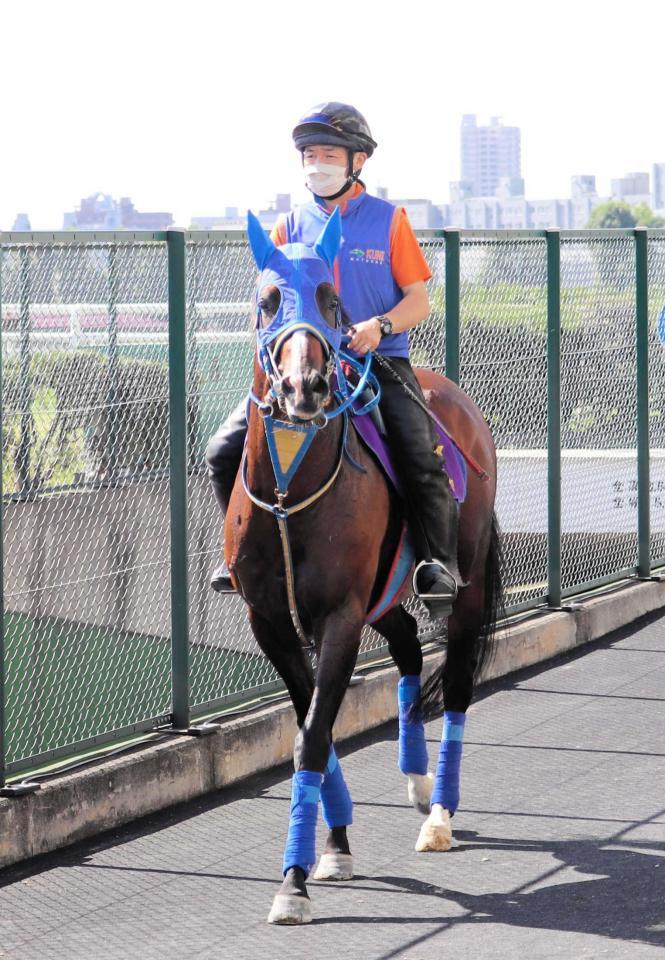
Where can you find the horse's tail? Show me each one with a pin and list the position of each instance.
(494, 606)
(480, 647)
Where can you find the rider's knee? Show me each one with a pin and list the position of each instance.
(214, 454)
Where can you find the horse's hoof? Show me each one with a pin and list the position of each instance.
(435, 833)
(287, 908)
(334, 866)
(420, 788)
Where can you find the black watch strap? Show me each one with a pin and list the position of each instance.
(385, 325)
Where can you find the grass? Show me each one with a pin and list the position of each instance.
(68, 681)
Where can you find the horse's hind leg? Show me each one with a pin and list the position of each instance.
(456, 687)
(401, 631)
(336, 862)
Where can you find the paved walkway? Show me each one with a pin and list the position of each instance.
(562, 845)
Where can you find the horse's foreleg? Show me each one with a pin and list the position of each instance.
(340, 639)
(280, 644)
(401, 631)
(282, 647)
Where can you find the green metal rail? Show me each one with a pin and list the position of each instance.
(192, 693)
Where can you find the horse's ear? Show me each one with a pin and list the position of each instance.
(260, 243)
(327, 245)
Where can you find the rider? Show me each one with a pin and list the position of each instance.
(380, 273)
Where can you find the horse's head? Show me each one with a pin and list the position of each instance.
(298, 317)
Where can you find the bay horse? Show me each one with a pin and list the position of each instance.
(310, 535)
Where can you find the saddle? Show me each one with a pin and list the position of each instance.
(371, 430)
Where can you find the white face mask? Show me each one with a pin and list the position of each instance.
(324, 179)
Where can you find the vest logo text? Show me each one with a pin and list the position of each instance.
(368, 256)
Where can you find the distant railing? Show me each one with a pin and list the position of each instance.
(121, 354)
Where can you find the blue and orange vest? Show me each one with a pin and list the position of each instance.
(363, 275)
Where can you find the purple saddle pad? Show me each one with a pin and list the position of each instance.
(454, 462)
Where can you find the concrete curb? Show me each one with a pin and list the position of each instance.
(81, 804)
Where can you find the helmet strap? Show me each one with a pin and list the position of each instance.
(352, 176)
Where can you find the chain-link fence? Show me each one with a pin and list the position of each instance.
(101, 639)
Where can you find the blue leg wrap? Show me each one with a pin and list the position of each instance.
(300, 850)
(412, 745)
(335, 796)
(446, 785)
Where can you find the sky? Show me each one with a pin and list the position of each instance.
(189, 107)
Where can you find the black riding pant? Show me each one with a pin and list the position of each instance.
(430, 504)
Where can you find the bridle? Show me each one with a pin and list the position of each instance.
(345, 397)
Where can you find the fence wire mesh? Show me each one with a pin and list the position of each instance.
(224, 659)
(503, 367)
(598, 409)
(85, 409)
(85, 479)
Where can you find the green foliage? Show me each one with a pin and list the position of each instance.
(617, 213)
(85, 419)
(645, 217)
(611, 214)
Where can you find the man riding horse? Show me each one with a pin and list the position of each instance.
(380, 274)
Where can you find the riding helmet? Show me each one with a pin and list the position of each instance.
(337, 124)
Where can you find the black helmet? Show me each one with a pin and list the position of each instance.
(337, 124)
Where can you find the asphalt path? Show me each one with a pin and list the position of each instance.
(561, 850)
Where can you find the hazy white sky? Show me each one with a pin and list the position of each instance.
(188, 107)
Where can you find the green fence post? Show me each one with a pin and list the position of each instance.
(642, 351)
(178, 478)
(452, 239)
(112, 392)
(25, 398)
(193, 355)
(2, 565)
(553, 417)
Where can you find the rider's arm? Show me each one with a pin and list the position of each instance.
(411, 271)
(412, 308)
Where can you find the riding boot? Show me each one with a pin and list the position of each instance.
(431, 508)
(223, 456)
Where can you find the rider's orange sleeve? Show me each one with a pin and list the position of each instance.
(278, 232)
(407, 262)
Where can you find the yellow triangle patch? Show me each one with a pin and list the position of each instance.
(287, 444)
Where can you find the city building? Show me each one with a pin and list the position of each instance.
(22, 222)
(422, 213)
(488, 153)
(582, 185)
(234, 220)
(658, 187)
(633, 188)
(101, 212)
(509, 209)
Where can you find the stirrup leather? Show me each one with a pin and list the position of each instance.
(448, 597)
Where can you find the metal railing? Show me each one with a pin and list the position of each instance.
(122, 352)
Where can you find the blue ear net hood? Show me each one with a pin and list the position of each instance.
(297, 271)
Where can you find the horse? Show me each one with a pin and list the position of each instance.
(310, 534)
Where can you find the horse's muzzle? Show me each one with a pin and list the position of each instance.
(305, 395)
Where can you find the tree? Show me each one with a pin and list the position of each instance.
(645, 217)
(611, 214)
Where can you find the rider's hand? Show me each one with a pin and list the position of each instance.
(366, 336)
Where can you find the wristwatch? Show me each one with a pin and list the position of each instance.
(385, 325)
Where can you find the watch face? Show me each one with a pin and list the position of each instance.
(386, 327)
